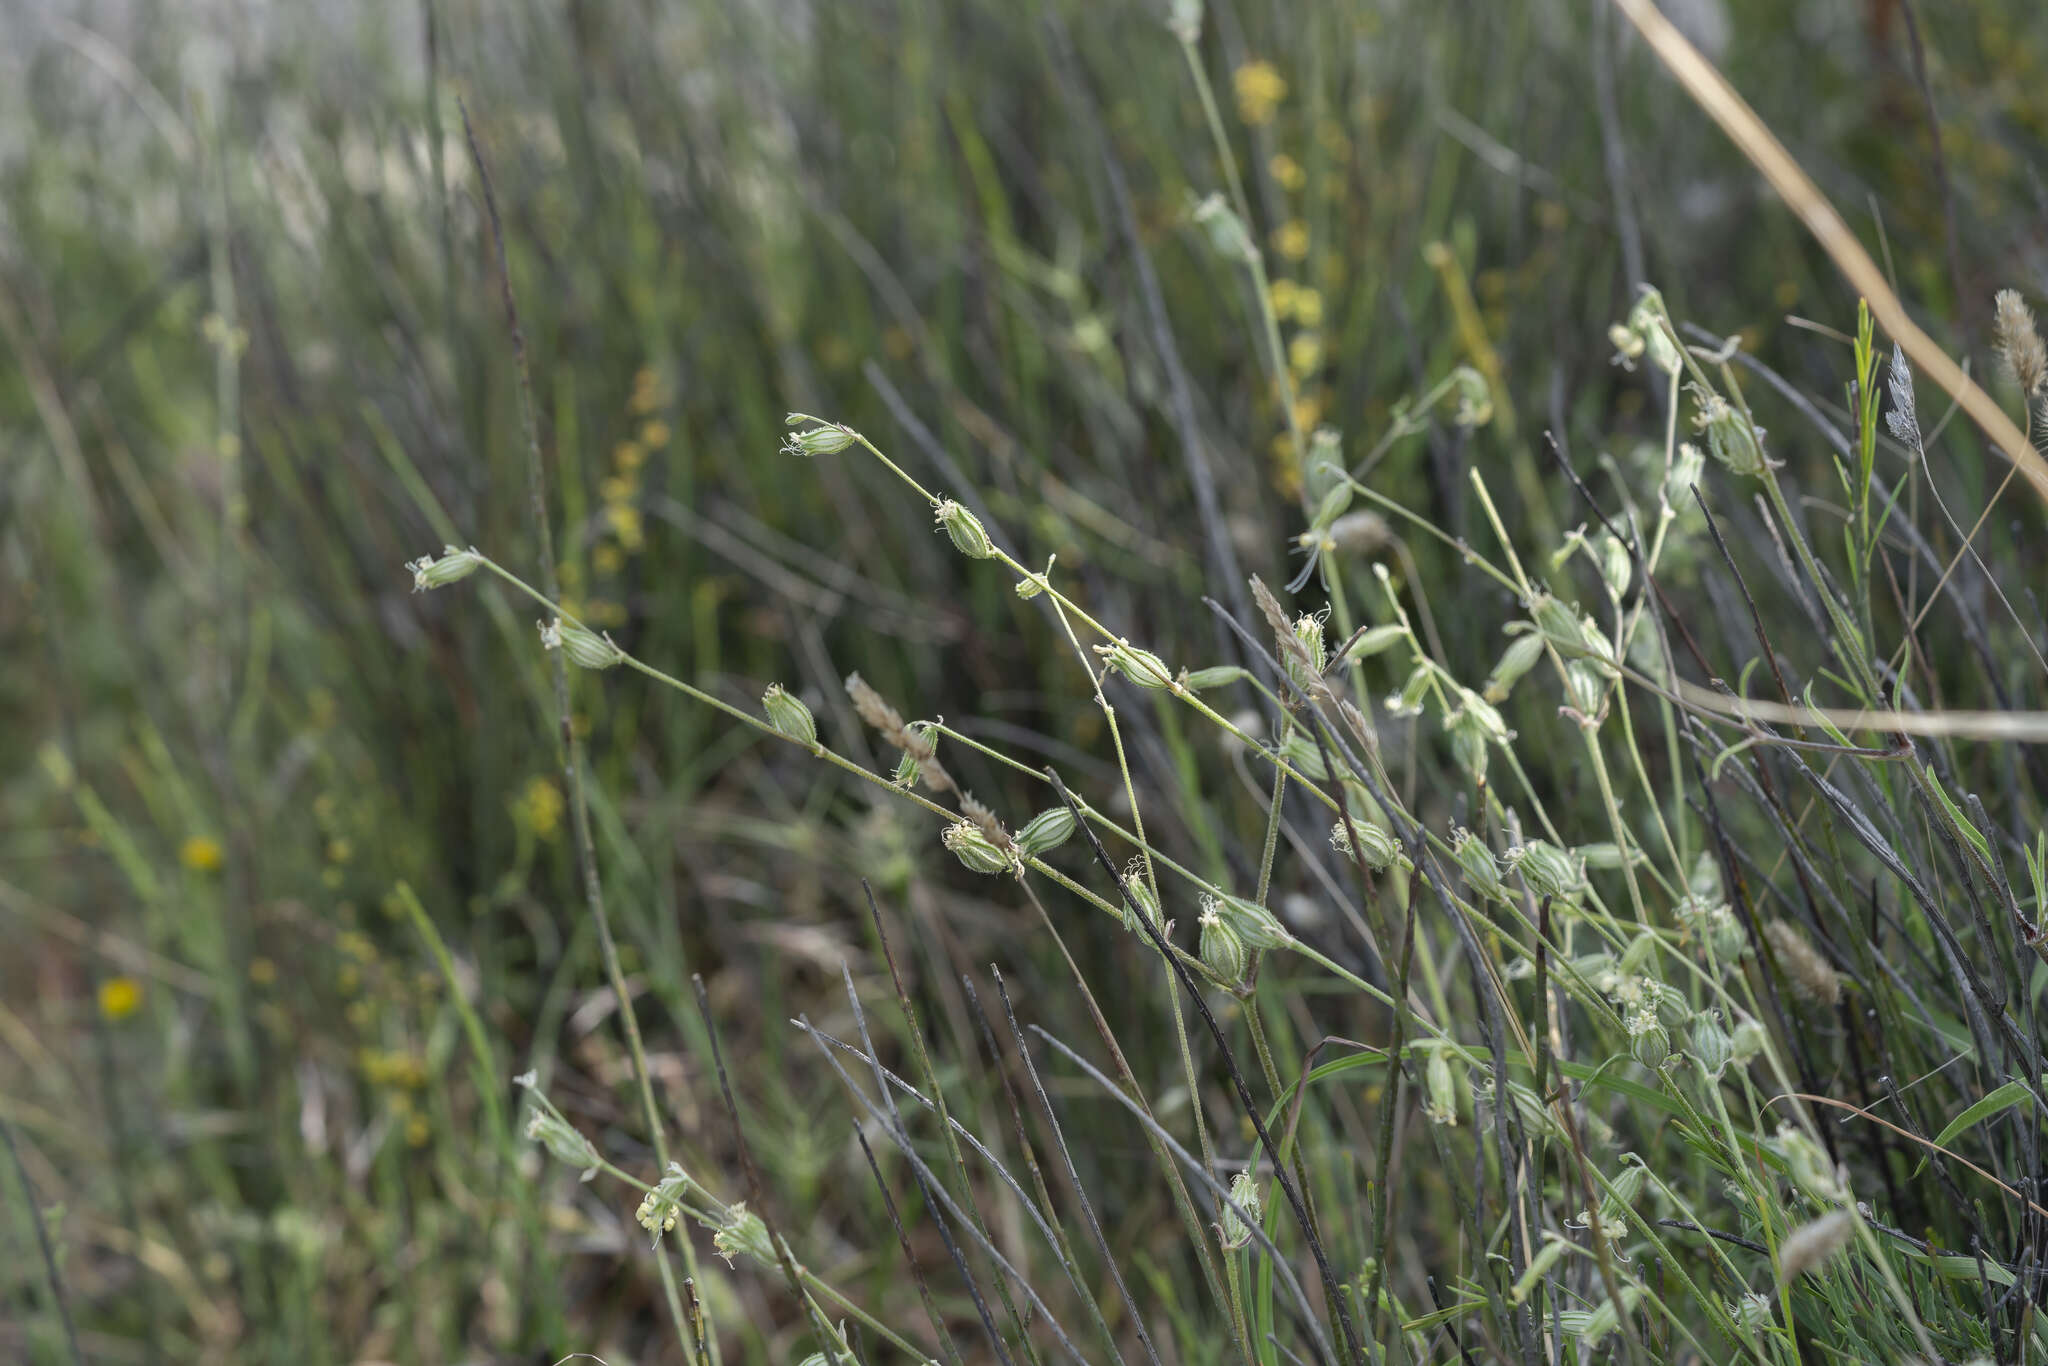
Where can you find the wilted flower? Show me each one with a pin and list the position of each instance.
(1734, 440)
(742, 1232)
(1547, 869)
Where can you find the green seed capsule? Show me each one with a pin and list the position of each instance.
(585, 648)
(975, 849)
(787, 713)
(1547, 869)
(453, 566)
(1259, 927)
(1475, 860)
(964, 529)
(1377, 640)
(828, 440)
(1047, 830)
(1137, 666)
(1223, 949)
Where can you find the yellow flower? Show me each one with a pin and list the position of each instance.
(617, 489)
(1259, 91)
(654, 435)
(1287, 171)
(1308, 411)
(1290, 239)
(1308, 308)
(262, 971)
(120, 997)
(607, 558)
(1285, 294)
(1305, 353)
(539, 809)
(625, 524)
(201, 855)
(646, 392)
(629, 456)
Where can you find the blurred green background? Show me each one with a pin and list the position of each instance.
(253, 360)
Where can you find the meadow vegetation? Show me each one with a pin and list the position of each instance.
(1031, 683)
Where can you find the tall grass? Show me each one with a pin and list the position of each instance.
(1142, 832)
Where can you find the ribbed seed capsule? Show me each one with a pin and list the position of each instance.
(974, 849)
(1140, 893)
(1304, 757)
(453, 566)
(1548, 870)
(1616, 566)
(1137, 666)
(827, 440)
(1441, 1107)
(1222, 947)
(1259, 927)
(1710, 1045)
(1733, 439)
(1475, 860)
(1374, 845)
(1047, 830)
(787, 713)
(585, 648)
(963, 528)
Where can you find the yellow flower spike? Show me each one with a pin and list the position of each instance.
(1304, 353)
(1308, 307)
(1260, 89)
(1290, 239)
(1285, 296)
(617, 488)
(607, 558)
(1287, 172)
(628, 456)
(201, 854)
(120, 997)
(654, 435)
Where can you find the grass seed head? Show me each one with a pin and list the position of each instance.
(2019, 343)
(1810, 974)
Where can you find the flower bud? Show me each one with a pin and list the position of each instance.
(743, 1232)
(1226, 230)
(1616, 566)
(1137, 666)
(585, 648)
(1646, 324)
(1223, 949)
(1217, 676)
(1377, 640)
(1441, 1107)
(564, 1142)
(1475, 860)
(1733, 439)
(1753, 1312)
(1686, 468)
(1408, 702)
(1304, 756)
(827, 440)
(453, 566)
(1585, 686)
(975, 849)
(1139, 894)
(1547, 869)
(1650, 1046)
(1475, 397)
(1259, 927)
(964, 529)
(1749, 1039)
(1231, 1230)
(1704, 881)
(1375, 846)
(1520, 657)
(1710, 1045)
(1046, 831)
(1307, 674)
(787, 713)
